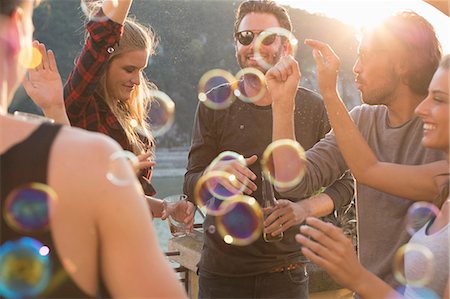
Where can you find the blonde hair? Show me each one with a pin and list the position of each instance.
(133, 114)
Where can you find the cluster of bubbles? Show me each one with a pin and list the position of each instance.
(25, 263)
(218, 89)
(220, 191)
(419, 215)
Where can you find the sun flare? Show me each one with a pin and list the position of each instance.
(368, 13)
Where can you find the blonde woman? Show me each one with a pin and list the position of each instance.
(107, 91)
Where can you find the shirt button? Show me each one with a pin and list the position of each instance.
(110, 50)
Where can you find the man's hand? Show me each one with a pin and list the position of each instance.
(243, 175)
(285, 215)
(327, 65)
(282, 82)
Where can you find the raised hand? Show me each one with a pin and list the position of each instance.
(44, 86)
(327, 65)
(282, 82)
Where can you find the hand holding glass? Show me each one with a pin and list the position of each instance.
(175, 207)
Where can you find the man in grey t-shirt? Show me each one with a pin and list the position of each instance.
(395, 64)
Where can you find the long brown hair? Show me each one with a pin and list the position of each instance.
(135, 37)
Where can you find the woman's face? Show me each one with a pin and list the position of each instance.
(434, 112)
(124, 73)
(18, 30)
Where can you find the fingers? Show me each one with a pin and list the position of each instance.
(328, 229)
(144, 156)
(52, 61)
(145, 164)
(323, 54)
(48, 61)
(251, 160)
(284, 69)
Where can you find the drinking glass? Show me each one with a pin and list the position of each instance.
(173, 205)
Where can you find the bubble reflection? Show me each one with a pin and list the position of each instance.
(115, 173)
(291, 155)
(24, 272)
(243, 223)
(27, 208)
(162, 113)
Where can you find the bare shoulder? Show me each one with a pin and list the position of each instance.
(79, 166)
(85, 143)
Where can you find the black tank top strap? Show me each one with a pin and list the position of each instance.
(18, 167)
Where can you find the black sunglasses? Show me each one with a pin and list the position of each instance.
(246, 37)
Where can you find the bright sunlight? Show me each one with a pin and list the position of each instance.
(368, 13)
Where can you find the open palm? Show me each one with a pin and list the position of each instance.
(43, 84)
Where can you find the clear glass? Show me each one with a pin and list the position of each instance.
(172, 207)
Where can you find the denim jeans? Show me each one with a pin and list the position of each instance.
(286, 284)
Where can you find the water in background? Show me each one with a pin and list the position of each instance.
(168, 180)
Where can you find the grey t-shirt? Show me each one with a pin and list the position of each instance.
(381, 216)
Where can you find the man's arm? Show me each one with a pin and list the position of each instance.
(203, 150)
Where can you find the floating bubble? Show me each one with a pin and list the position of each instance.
(91, 9)
(290, 155)
(212, 229)
(32, 117)
(24, 272)
(216, 89)
(268, 38)
(27, 208)
(162, 113)
(115, 173)
(407, 257)
(251, 85)
(30, 58)
(243, 222)
(203, 196)
(419, 213)
(233, 185)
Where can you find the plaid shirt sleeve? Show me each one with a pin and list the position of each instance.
(90, 65)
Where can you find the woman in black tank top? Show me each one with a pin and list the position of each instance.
(64, 229)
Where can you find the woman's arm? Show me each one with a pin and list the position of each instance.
(117, 13)
(414, 182)
(90, 65)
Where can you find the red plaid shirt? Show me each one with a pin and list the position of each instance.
(85, 108)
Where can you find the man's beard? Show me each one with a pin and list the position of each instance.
(273, 59)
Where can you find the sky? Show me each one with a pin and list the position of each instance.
(367, 12)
